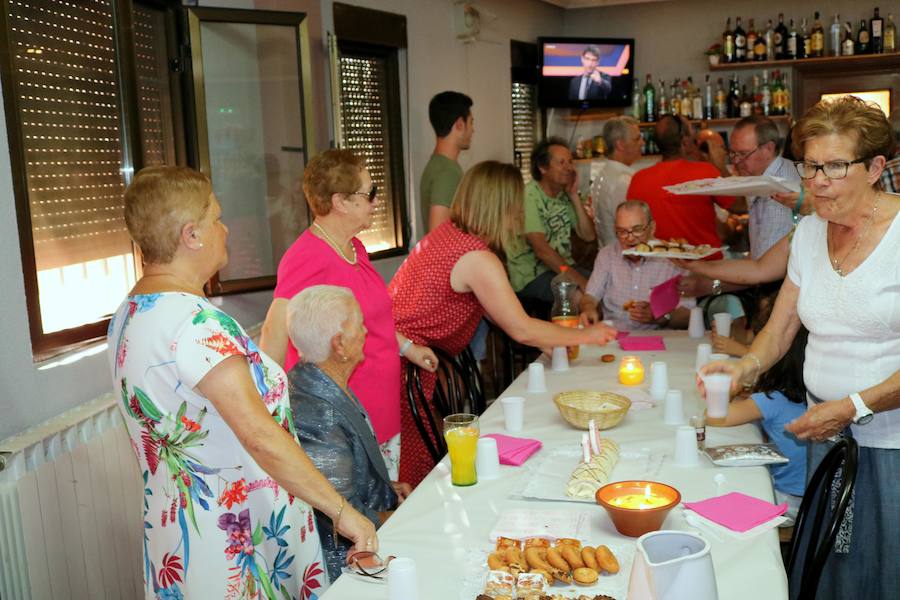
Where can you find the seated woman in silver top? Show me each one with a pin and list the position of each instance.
(326, 326)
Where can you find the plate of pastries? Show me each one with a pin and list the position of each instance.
(674, 248)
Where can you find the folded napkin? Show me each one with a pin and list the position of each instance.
(512, 450)
(664, 298)
(737, 511)
(621, 334)
(519, 523)
(637, 343)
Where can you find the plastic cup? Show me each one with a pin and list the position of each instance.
(560, 359)
(513, 413)
(402, 580)
(659, 384)
(461, 434)
(674, 414)
(487, 462)
(537, 383)
(723, 323)
(704, 351)
(695, 324)
(718, 356)
(718, 390)
(686, 447)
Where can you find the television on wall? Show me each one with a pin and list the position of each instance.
(585, 72)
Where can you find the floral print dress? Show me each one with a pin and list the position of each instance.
(215, 524)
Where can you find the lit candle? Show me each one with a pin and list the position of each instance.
(640, 501)
(631, 371)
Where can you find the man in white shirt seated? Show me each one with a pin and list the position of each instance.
(619, 287)
(612, 176)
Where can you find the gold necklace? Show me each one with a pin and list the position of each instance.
(336, 246)
(838, 265)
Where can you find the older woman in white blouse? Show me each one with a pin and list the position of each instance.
(843, 284)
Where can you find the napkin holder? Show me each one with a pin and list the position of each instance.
(672, 565)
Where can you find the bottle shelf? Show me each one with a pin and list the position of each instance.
(720, 122)
(892, 58)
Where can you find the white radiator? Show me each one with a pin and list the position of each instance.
(70, 509)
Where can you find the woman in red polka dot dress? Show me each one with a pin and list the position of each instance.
(455, 276)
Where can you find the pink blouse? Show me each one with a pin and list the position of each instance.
(376, 381)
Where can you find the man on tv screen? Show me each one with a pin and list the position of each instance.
(591, 84)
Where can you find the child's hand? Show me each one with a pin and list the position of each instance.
(726, 345)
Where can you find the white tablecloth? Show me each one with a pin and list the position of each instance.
(440, 524)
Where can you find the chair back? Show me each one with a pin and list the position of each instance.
(458, 388)
(822, 510)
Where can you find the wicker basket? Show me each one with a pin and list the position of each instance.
(579, 407)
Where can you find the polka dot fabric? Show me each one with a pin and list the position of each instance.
(429, 312)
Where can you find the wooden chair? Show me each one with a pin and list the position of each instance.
(458, 389)
(818, 522)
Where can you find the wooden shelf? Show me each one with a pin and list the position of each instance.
(719, 122)
(826, 61)
(600, 156)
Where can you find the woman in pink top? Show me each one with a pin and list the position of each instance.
(342, 197)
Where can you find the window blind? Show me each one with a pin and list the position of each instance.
(525, 125)
(363, 83)
(65, 81)
(154, 94)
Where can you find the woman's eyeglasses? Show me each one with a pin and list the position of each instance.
(370, 195)
(836, 169)
(369, 564)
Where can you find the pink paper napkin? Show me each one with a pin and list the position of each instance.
(512, 450)
(664, 298)
(737, 511)
(637, 343)
(621, 334)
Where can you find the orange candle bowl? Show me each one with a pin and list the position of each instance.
(637, 507)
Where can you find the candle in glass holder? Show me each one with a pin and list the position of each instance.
(631, 371)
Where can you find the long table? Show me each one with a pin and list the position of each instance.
(439, 525)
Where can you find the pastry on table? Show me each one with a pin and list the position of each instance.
(589, 477)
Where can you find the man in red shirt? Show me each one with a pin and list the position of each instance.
(690, 217)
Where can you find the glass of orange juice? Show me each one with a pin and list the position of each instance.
(461, 433)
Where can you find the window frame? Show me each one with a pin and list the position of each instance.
(394, 137)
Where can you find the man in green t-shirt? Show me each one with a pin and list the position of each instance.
(552, 211)
(450, 114)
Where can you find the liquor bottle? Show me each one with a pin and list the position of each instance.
(751, 40)
(649, 101)
(740, 41)
(687, 102)
(781, 38)
(863, 42)
(721, 110)
(676, 98)
(818, 37)
(793, 44)
(697, 109)
(848, 46)
(734, 98)
(745, 107)
(708, 108)
(765, 101)
(637, 101)
(756, 95)
(759, 46)
(785, 97)
(778, 93)
(663, 102)
(876, 26)
(804, 42)
(770, 41)
(728, 42)
(835, 37)
(890, 35)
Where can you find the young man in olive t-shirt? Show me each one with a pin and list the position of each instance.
(450, 114)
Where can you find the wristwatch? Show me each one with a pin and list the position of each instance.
(717, 287)
(666, 318)
(863, 414)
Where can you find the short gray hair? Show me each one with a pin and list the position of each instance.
(765, 128)
(636, 205)
(615, 130)
(315, 316)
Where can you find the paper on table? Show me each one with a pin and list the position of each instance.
(664, 298)
(737, 511)
(513, 450)
(638, 343)
(760, 185)
(738, 535)
(521, 523)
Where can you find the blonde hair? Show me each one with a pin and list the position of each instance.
(331, 172)
(847, 116)
(488, 203)
(315, 316)
(159, 202)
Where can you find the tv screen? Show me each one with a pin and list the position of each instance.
(586, 72)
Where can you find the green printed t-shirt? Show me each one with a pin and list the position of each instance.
(555, 218)
(438, 185)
